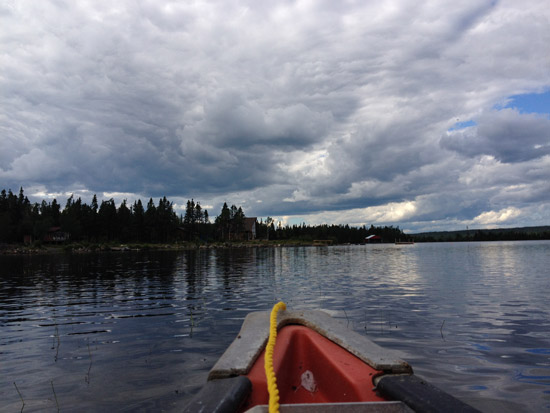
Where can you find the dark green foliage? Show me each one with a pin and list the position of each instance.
(196, 226)
(107, 220)
(500, 234)
(223, 222)
(338, 234)
(167, 221)
(72, 217)
(15, 216)
(138, 221)
(230, 223)
(19, 220)
(124, 222)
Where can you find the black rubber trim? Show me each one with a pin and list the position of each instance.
(220, 396)
(420, 395)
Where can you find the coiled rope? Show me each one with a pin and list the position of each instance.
(269, 372)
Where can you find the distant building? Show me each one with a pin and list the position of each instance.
(248, 231)
(373, 239)
(55, 234)
(250, 228)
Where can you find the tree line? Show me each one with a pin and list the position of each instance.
(338, 234)
(20, 219)
(501, 234)
(154, 223)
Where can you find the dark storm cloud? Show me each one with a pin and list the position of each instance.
(336, 112)
(233, 123)
(505, 134)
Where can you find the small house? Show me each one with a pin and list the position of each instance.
(247, 231)
(373, 239)
(55, 234)
(250, 228)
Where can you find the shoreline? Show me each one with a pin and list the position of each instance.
(83, 248)
(88, 248)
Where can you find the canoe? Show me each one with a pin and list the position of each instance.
(320, 366)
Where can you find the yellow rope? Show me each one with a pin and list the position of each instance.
(269, 372)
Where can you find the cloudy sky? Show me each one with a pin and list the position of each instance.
(427, 115)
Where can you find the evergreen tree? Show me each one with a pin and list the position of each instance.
(138, 221)
(193, 220)
(150, 221)
(107, 219)
(94, 205)
(223, 222)
(24, 226)
(124, 224)
(56, 213)
(199, 216)
(167, 220)
(5, 216)
(71, 218)
(238, 221)
(89, 220)
(189, 218)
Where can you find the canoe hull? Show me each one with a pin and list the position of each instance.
(312, 369)
(318, 362)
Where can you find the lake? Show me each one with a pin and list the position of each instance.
(139, 331)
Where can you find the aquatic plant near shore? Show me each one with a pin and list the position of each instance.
(20, 396)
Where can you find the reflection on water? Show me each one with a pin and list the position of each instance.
(127, 331)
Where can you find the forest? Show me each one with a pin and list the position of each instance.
(499, 234)
(23, 221)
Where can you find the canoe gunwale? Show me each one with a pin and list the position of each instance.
(227, 388)
(252, 338)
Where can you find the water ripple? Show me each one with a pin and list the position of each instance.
(144, 327)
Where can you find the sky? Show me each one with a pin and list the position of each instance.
(424, 115)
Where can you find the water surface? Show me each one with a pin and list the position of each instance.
(139, 331)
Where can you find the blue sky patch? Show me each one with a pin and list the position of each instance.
(463, 125)
(530, 103)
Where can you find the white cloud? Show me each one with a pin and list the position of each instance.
(390, 214)
(297, 196)
(497, 217)
(323, 110)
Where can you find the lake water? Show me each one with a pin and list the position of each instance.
(139, 331)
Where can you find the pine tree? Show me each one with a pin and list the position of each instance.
(138, 221)
(124, 217)
(107, 219)
(151, 221)
(223, 221)
(94, 205)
